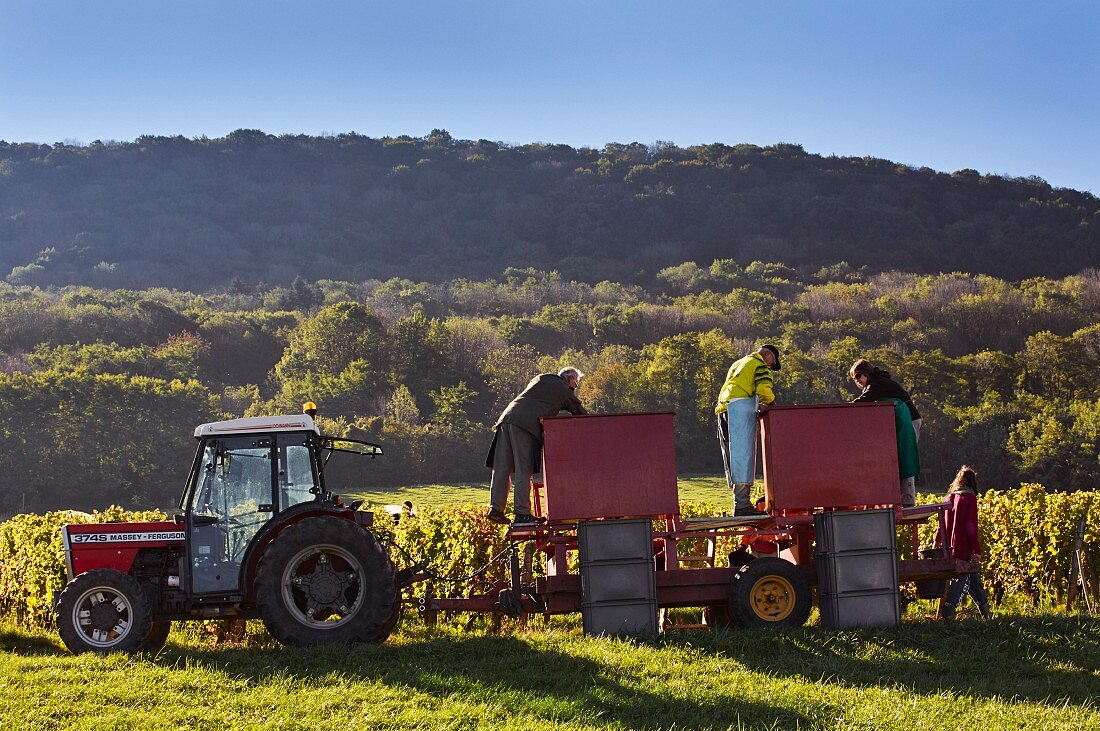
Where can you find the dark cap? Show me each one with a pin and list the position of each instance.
(775, 352)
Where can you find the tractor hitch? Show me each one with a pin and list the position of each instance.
(412, 574)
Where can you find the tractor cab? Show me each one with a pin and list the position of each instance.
(246, 473)
(260, 535)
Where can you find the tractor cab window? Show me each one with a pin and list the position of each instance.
(230, 501)
(297, 475)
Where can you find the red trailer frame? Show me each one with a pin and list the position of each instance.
(622, 466)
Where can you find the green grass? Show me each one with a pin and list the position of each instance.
(451, 494)
(693, 488)
(1037, 672)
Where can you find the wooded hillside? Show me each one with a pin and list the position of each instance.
(100, 390)
(198, 214)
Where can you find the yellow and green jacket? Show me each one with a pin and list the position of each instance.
(749, 376)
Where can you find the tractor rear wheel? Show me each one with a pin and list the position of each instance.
(103, 610)
(158, 635)
(770, 592)
(326, 580)
(395, 617)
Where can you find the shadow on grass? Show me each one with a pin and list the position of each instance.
(506, 673)
(19, 643)
(1042, 659)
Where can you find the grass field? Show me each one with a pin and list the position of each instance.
(1036, 672)
(1023, 671)
(692, 488)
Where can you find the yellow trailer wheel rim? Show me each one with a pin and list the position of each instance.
(772, 598)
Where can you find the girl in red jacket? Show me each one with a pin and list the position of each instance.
(961, 522)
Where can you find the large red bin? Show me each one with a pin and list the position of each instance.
(609, 466)
(830, 456)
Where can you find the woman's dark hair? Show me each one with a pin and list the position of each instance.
(861, 367)
(967, 478)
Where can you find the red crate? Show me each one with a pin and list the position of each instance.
(609, 466)
(830, 456)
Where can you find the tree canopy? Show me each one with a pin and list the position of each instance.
(251, 208)
(100, 389)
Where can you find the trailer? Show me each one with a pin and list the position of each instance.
(618, 550)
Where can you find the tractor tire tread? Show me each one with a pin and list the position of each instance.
(378, 582)
(158, 635)
(141, 622)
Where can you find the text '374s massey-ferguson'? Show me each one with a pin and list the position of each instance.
(259, 536)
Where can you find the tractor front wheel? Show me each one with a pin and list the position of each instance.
(770, 592)
(103, 610)
(326, 580)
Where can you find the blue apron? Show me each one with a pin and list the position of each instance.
(741, 413)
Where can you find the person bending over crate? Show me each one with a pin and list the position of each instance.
(748, 389)
(517, 441)
(875, 384)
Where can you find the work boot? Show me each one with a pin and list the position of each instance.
(948, 614)
(983, 608)
(523, 520)
(742, 511)
(496, 516)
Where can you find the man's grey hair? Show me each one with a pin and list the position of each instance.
(571, 371)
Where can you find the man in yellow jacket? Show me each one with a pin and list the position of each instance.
(749, 388)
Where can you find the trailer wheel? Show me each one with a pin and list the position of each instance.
(103, 610)
(326, 580)
(718, 616)
(158, 635)
(770, 592)
(509, 603)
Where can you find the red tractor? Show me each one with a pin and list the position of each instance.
(260, 535)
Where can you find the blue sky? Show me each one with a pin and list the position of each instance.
(1006, 87)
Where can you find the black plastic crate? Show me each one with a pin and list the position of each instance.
(860, 609)
(839, 573)
(612, 581)
(615, 540)
(931, 588)
(844, 531)
(620, 618)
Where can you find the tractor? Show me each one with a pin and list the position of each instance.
(258, 536)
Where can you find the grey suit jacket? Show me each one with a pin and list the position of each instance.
(545, 395)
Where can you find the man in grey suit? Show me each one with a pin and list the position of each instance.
(517, 443)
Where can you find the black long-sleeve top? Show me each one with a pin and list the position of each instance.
(880, 386)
